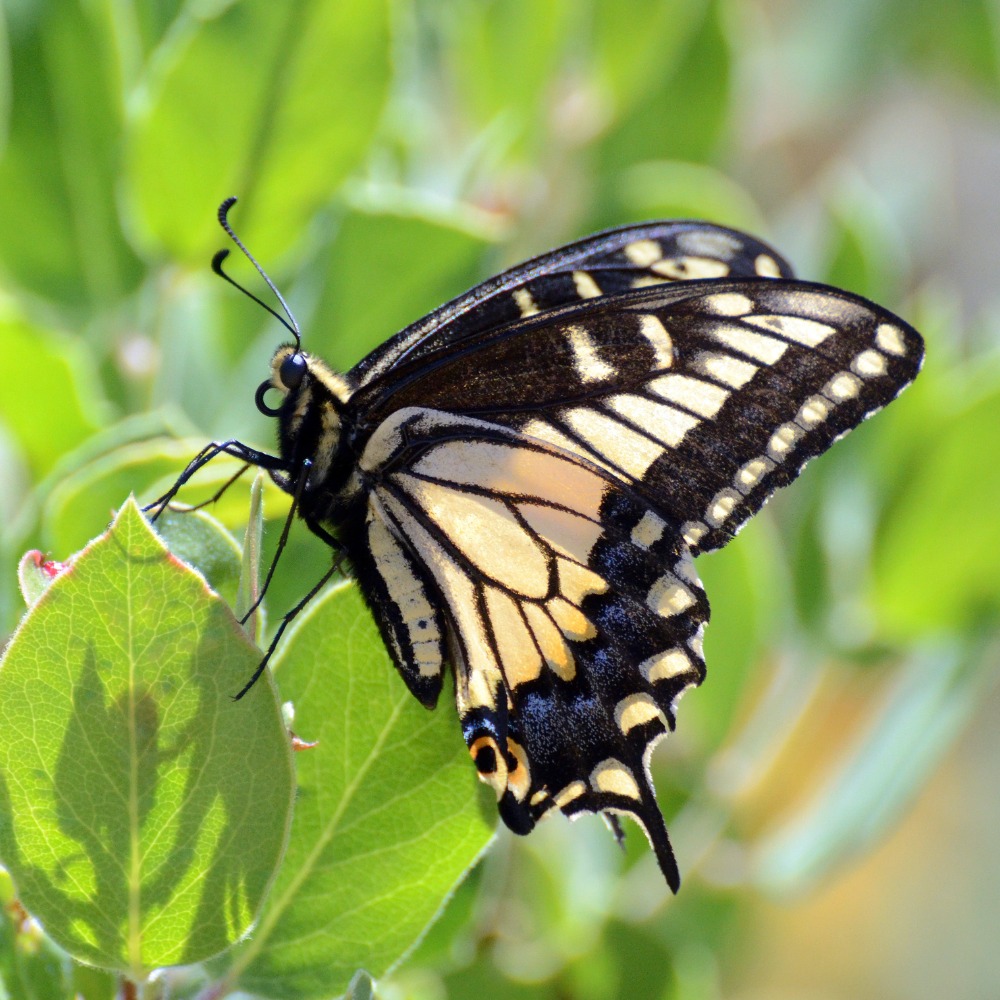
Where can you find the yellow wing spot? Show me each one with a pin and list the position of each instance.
(668, 596)
(697, 641)
(517, 470)
(572, 622)
(621, 446)
(525, 302)
(869, 364)
(587, 362)
(766, 266)
(656, 333)
(684, 568)
(642, 253)
(490, 764)
(542, 430)
(665, 423)
(813, 412)
(637, 710)
(703, 398)
(568, 533)
(725, 368)
(577, 582)
(693, 532)
(649, 530)
(483, 685)
(690, 268)
(487, 533)
(477, 684)
(539, 797)
(751, 473)
(520, 660)
(783, 440)
(665, 666)
(753, 345)
(729, 304)
(809, 332)
(407, 593)
(569, 794)
(519, 776)
(709, 243)
(842, 386)
(585, 285)
(614, 778)
(721, 506)
(890, 339)
(550, 641)
(646, 280)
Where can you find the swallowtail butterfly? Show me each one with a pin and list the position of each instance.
(521, 480)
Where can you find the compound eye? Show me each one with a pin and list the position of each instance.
(292, 371)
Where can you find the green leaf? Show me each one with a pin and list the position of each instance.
(673, 190)
(31, 968)
(745, 587)
(273, 102)
(389, 265)
(633, 63)
(86, 497)
(505, 56)
(681, 119)
(58, 175)
(198, 539)
(51, 416)
(248, 591)
(361, 987)
(389, 814)
(143, 811)
(35, 573)
(931, 573)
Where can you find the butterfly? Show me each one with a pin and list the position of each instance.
(521, 480)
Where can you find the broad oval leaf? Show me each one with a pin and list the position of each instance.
(143, 812)
(294, 94)
(389, 815)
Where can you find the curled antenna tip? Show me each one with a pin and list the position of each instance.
(217, 260)
(289, 322)
(224, 211)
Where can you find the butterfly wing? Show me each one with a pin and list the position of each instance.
(704, 397)
(607, 263)
(572, 611)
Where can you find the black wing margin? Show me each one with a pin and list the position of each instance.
(607, 263)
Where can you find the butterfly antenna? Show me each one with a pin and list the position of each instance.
(289, 324)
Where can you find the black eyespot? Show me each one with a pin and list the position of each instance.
(486, 760)
(292, 370)
(268, 411)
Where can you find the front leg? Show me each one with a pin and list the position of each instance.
(272, 463)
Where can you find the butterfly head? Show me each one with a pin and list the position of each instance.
(289, 368)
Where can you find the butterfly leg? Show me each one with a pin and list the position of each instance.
(236, 449)
(286, 620)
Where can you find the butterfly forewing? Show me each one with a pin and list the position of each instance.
(703, 396)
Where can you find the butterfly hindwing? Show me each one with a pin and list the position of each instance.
(574, 611)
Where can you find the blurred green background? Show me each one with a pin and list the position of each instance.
(832, 790)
